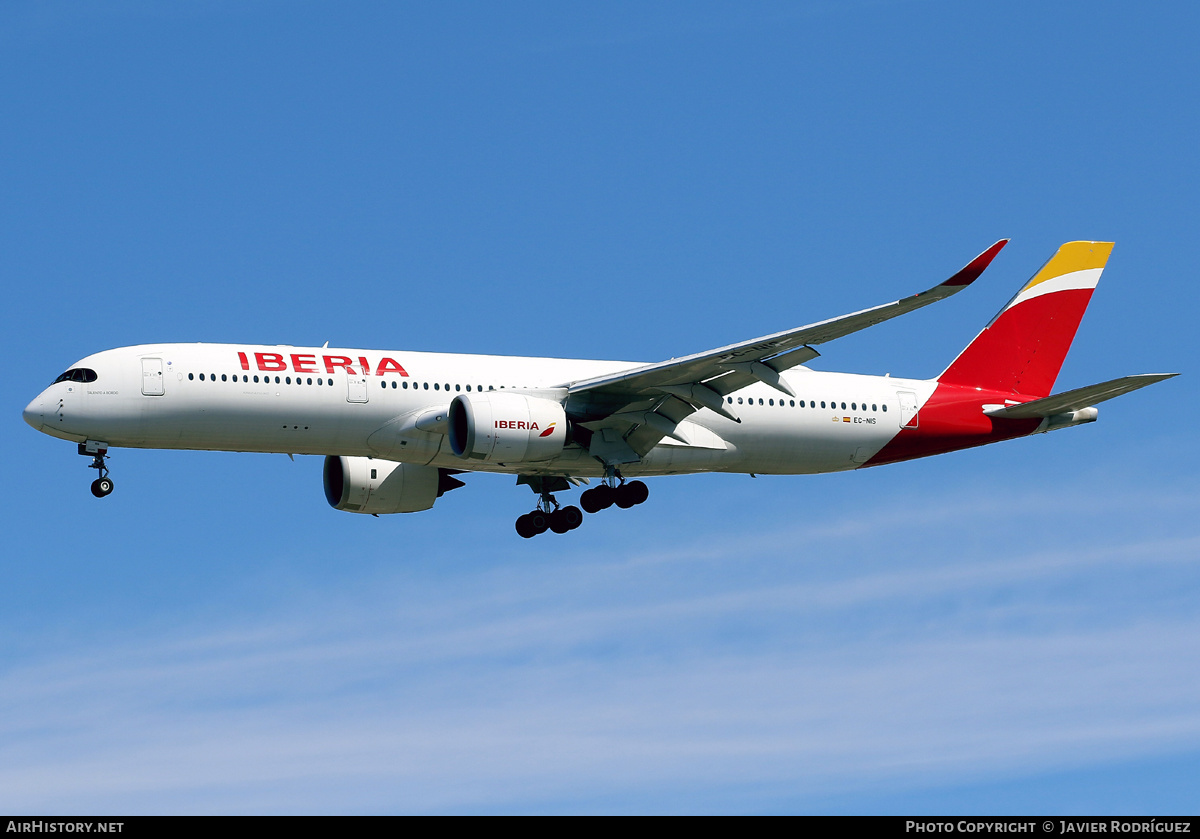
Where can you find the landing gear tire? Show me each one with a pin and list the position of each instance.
(538, 521)
(558, 522)
(102, 487)
(525, 527)
(567, 518)
(638, 490)
(630, 494)
(597, 499)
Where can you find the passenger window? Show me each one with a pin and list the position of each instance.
(427, 385)
(201, 377)
(406, 385)
(383, 384)
(276, 380)
(256, 379)
(435, 385)
(873, 408)
(843, 406)
(468, 388)
(191, 377)
(853, 406)
(308, 381)
(289, 380)
(822, 403)
(739, 400)
(885, 407)
(458, 388)
(772, 401)
(792, 402)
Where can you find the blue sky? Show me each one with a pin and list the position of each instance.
(1010, 629)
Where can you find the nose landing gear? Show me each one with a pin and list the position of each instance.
(103, 485)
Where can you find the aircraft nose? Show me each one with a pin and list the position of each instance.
(33, 413)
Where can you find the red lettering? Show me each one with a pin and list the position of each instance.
(389, 365)
(299, 362)
(364, 365)
(245, 362)
(269, 361)
(332, 361)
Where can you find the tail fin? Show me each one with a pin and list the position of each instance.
(1024, 346)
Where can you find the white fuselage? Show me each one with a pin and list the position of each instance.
(304, 400)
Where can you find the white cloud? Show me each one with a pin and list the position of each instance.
(689, 676)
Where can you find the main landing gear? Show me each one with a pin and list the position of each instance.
(624, 495)
(103, 485)
(550, 516)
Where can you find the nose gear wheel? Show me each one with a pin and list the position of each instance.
(103, 485)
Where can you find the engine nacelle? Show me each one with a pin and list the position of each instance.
(506, 427)
(367, 485)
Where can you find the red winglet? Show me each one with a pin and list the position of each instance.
(976, 266)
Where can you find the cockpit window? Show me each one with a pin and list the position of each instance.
(77, 374)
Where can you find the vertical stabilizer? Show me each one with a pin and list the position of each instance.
(1024, 346)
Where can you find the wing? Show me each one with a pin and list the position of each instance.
(1084, 397)
(634, 409)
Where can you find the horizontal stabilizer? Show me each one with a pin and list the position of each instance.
(1074, 400)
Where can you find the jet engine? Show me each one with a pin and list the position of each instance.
(506, 427)
(367, 485)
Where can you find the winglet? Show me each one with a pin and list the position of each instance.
(970, 273)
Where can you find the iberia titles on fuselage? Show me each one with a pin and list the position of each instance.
(396, 426)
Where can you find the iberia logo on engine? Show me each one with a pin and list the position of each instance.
(520, 425)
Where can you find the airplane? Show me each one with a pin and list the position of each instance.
(395, 428)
